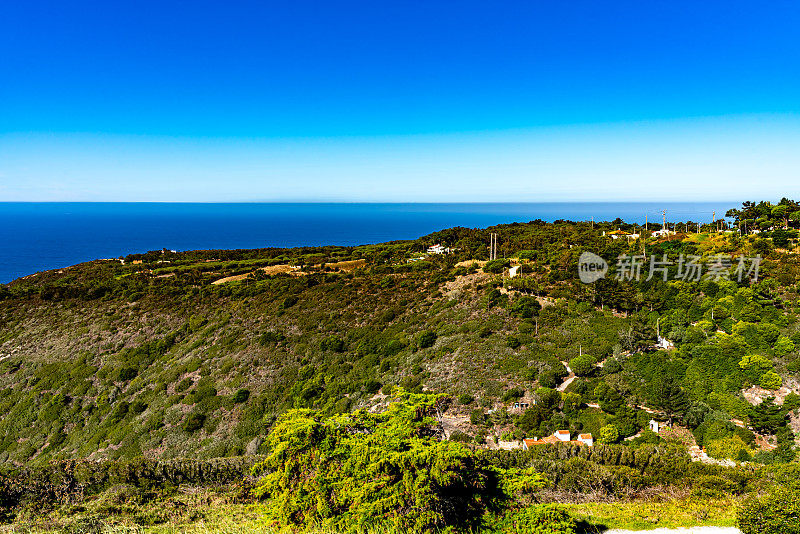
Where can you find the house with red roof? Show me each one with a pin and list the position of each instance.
(559, 436)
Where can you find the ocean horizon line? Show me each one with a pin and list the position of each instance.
(401, 202)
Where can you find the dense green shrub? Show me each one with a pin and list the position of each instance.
(333, 343)
(538, 519)
(582, 365)
(513, 394)
(184, 384)
(466, 398)
(289, 301)
(496, 266)
(525, 307)
(777, 512)
(126, 373)
(461, 437)
(362, 470)
(241, 396)
(372, 386)
(138, 406)
(426, 339)
(194, 421)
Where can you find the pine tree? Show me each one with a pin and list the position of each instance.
(669, 397)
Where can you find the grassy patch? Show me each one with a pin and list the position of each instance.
(644, 515)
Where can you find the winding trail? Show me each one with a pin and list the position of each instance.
(567, 381)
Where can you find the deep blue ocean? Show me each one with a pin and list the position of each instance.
(41, 236)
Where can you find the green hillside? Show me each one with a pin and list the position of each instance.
(333, 386)
(149, 357)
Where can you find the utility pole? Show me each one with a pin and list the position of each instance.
(645, 222)
(592, 222)
(644, 247)
(714, 218)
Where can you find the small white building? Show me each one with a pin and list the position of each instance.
(438, 249)
(664, 344)
(657, 427)
(619, 234)
(664, 232)
(559, 436)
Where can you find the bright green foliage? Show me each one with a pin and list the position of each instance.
(756, 366)
(770, 380)
(783, 346)
(609, 434)
(358, 470)
(523, 515)
(538, 519)
(775, 513)
(755, 361)
(732, 447)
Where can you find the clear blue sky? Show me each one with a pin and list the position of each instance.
(406, 101)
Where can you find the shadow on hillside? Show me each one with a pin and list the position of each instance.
(584, 527)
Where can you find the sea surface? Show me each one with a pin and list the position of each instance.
(41, 236)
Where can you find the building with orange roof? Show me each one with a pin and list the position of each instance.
(559, 436)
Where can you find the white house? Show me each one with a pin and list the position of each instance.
(664, 343)
(438, 249)
(618, 234)
(562, 435)
(664, 232)
(559, 436)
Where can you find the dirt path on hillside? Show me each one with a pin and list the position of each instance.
(343, 266)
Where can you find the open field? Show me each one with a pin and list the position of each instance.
(200, 518)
